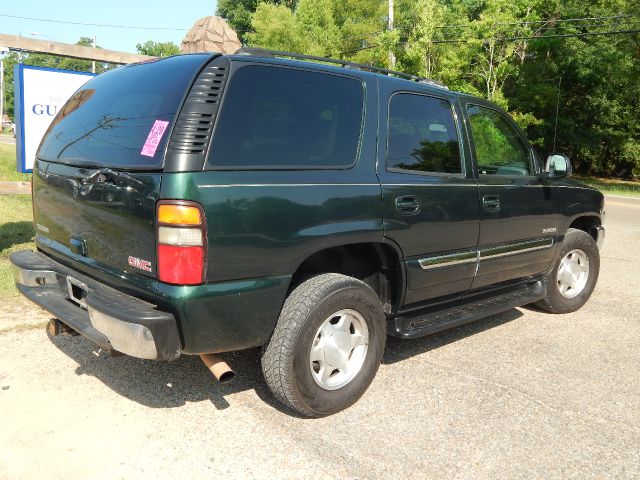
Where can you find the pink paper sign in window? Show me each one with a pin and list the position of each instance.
(153, 139)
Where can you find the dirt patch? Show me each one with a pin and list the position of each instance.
(18, 314)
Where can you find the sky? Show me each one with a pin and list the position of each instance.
(177, 15)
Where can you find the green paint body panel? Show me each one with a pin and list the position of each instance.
(224, 316)
(263, 224)
(263, 227)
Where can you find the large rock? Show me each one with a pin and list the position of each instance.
(210, 34)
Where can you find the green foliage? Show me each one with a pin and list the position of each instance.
(157, 49)
(8, 171)
(16, 233)
(238, 13)
(276, 27)
(613, 187)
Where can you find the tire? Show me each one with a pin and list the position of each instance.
(286, 360)
(578, 243)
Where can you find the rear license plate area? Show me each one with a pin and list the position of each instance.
(77, 292)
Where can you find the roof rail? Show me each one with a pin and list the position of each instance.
(261, 52)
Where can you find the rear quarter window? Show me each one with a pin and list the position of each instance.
(285, 118)
(107, 122)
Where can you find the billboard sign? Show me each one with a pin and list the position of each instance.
(39, 94)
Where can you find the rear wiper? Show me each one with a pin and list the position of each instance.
(105, 173)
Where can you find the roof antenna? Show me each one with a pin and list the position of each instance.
(555, 129)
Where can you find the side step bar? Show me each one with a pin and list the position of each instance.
(426, 322)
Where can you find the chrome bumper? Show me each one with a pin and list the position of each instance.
(106, 316)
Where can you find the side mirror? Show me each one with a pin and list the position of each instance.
(558, 165)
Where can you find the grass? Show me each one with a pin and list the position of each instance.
(8, 165)
(16, 233)
(613, 187)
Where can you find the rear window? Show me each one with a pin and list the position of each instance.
(121, 119)
(284, 118)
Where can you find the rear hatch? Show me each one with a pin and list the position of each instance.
(99, 170)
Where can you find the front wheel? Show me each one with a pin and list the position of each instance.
(327, 345)
(574, 276)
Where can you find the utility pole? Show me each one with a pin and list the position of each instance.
(392, 57)
(93, 62)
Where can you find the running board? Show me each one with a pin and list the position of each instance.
(479, 306)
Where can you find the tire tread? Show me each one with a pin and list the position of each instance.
(278, 355)
(552, 302)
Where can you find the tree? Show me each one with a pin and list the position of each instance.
(331, 28)
(592, 81)
(238, 13)
(157, 49)
(276, 28)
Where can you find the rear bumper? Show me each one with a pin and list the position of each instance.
(108, 317)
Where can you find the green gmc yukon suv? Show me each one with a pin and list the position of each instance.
(208, 203)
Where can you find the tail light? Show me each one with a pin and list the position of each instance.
(182, 239)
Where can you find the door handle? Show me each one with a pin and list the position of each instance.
(407, 205)
(491, 203)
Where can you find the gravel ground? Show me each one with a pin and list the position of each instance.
(517, 395)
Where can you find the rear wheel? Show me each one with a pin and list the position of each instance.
(574, 276)
(327, 345)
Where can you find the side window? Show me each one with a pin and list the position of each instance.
(282, 118)
(500, 150)
(422, 135)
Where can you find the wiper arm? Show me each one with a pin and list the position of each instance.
(104, 173)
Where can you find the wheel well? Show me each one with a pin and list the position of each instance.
(587, 224)
(376, 264)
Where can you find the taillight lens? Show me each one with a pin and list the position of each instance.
(179, 214)
(181, 238)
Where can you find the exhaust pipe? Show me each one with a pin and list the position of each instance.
(218, 367)
(55, 327)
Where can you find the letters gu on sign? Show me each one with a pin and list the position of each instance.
(39, 94)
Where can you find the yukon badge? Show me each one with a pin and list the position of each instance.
(549, 230)
(139, 263)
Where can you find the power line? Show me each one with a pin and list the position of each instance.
(506, 39)
(532, 22)
(556, 28)
(541, 37)
(568, 22)
(91, 24)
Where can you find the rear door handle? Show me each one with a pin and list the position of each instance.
(491, 203)
(407, 205)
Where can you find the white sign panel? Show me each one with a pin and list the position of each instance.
(39, 94)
